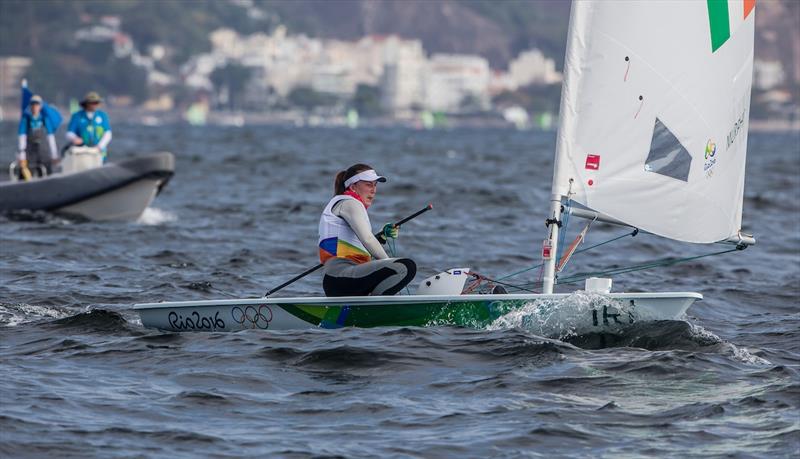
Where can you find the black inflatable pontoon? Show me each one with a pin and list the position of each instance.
(116, 191)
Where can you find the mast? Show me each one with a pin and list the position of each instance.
(576, 42)
(550, 248)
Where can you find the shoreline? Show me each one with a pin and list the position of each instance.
(302, 119)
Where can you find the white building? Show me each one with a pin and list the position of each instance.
(768, 74)
(455, 82)
(533, 67)
(403, 69)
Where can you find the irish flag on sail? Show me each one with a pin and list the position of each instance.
(725, 17)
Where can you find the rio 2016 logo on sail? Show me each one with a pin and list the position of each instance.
(711, 151)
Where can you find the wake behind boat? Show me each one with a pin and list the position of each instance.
(118, 190)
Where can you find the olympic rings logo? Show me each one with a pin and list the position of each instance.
(251, 317)
(711, 149)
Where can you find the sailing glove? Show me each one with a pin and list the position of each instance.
(389, 231)
(23, 167)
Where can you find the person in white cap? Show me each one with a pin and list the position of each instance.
(32, 133)
(355, 263)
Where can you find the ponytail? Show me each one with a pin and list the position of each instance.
(342, 176)
(338, 183)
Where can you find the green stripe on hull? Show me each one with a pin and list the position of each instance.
(459, 313)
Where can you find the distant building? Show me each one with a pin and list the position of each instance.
(768, 74)
(407, 79)
(500, 81)
(533, 67)
(455, 83)
(402, 79)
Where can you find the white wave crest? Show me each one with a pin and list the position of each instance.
(12, 315)
(740, 354)
(153, 216)
(576, 314)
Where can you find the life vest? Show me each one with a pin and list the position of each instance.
(89, 129)
(36, 131)
(337, 239)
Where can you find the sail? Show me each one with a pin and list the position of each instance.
(654, 114)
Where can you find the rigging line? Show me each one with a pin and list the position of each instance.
(482, 277)
(391, 245)
(522, 271)
(632, 234)
(640, 267)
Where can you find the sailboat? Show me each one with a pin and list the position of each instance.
(652, 135)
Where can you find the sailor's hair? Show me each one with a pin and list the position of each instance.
(342, 176)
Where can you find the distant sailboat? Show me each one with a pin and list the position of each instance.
(652, 134)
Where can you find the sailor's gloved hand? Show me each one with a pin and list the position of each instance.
(390, 231)
(23, 169)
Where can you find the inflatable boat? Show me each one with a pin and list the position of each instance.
(86, 188)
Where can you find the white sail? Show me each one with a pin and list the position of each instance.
(654, 114)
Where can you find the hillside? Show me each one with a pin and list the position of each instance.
(497, 30)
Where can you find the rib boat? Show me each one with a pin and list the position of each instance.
(89, 190)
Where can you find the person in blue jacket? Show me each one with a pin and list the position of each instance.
(90, 127)
(35, 129)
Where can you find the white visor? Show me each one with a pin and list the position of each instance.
(366, 176)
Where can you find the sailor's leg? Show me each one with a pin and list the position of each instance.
(378, 277)
(405, 270)
(36, 159)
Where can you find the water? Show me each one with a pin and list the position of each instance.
(82, 378)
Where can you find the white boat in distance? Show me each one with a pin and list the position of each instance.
(652, 134)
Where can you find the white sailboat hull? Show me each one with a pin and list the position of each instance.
(607, 312)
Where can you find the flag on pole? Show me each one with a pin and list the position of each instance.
(50, 114)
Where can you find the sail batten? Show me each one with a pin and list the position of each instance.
(654, 114)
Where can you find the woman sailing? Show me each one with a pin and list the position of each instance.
(355, 263)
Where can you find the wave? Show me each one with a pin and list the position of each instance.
(13, 314)
(563, 318)
(93, 320)
(153, 216)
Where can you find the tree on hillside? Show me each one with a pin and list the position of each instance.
(306, 98)
(367, 100)
(231, 80)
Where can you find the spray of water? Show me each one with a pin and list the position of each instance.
(12, 315)
(576, 314)
(153, 216)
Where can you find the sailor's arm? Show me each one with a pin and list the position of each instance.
(355, 215)
(51, 141)
(73, 138)
(104, 141)
(22, 144)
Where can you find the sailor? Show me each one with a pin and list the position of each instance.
(33, 131)
(90, 126)
(355, 263)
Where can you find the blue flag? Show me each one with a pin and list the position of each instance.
(50, 114)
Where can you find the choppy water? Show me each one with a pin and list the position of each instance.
(82, 378)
